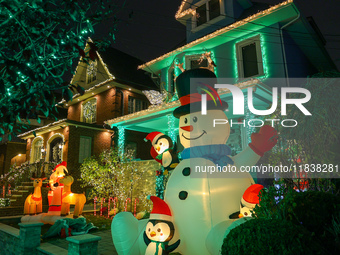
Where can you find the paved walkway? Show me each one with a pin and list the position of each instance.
(105, 246)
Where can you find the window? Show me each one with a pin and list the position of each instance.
(84, 148)
(208, 10)
(92, 71)
(89, 111)
(55, 149)
(136, 105)
(36, 150)
(132, 147)
(249, 58)
(195, 61)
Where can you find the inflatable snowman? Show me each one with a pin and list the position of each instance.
(201, 202)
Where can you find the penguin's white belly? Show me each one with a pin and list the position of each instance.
(151, 249)
(200, 203)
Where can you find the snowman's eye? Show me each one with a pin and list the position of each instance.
(194, 119)
(185, 121)
(158, 230)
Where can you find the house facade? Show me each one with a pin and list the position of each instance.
(113, 88)
(249, 44)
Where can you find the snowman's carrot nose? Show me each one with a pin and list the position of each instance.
(188, 128)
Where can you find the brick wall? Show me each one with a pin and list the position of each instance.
(10, 150)
(108, 105)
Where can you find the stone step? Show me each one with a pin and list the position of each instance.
(25, 187)
(16, 196)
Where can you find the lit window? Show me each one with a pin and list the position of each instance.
(195, 61)
(208, 10)
(92, 71)
(136, 105)
(249, 58)
(37, 150)
(89, 111)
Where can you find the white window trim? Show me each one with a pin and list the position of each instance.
(82, 110)
(35, 140)
(49, 142)
(196, 28)
(239, 60)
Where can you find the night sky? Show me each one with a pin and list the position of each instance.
(152, 30)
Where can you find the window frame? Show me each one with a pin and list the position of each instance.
(190, 58)
(239, 57)
(81, 160)
(82, 117)
(209, 21)
(33, 158)
(94, 76)
(134, 104)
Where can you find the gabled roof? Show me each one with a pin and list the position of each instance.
(188, 7)
(124, 68)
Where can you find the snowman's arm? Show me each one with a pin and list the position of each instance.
(146, 239)
(247, 157)
(172, 247)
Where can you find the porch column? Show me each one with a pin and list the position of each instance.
(121, 141)
(172, 129)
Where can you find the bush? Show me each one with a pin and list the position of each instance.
(270, 236)
(315, 211)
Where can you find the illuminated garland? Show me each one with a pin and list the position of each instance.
(121, 141)
(160, 187)
(40, 128)
(172, 130)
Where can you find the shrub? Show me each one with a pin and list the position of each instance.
(270, 236)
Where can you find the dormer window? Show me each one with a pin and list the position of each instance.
(92, 71)
(206, 11)
(195, 61)
(89, 111)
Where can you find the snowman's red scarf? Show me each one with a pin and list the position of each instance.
(217, 153)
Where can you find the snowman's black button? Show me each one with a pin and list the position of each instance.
(186, 171)
(183, 195)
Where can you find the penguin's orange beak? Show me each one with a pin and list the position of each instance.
(158, 148)
(188, 128)
(153, 233)
(240, 215)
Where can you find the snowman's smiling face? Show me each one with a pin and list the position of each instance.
(196, 129)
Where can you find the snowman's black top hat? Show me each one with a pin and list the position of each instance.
(190, 94)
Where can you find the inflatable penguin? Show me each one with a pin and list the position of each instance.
(163, 150)
(159, 229)
(249, 200)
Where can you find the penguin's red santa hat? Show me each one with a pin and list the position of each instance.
(160, 210)
(63, 165)
(250, 197)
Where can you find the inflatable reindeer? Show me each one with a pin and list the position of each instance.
(69, 198)
(33, 203)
